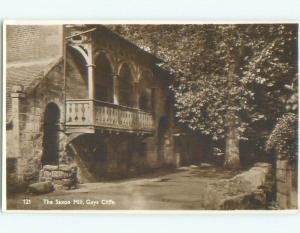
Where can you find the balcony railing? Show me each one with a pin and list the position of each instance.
(98, 114)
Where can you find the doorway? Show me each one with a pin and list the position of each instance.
(50, 140)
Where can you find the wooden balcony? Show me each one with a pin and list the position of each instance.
(86, 116)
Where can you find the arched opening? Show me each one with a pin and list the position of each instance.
(146, 93)
(50, 140)
(103, 79)
(126, 87)
(162, 137)
(76, 75)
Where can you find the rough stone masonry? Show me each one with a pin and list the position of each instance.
(63, 177)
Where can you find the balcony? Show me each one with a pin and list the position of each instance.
(86, 116)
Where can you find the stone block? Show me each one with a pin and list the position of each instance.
(283, 187)
(282, 164)
(40, 188)
(47, 174)
(66, 168)
(256, 176)
(282, 200)
(68, 182)
(58, 187)
(294, 200)
(281, 175)
(57, 174)
(41, 173)
(50, 167)
(57, 182)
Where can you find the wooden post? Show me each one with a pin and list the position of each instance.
(136, 93)
(115, 88)
(90, 67)
(91, 80)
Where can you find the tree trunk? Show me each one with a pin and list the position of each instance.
(232, 153)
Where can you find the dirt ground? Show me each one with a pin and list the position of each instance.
(187, 188)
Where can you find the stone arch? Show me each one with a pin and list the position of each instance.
(126, 87)
(104, 83)
(50, 154)
(131, 66)
(81, 51)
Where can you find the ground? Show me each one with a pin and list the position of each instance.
(187, 188)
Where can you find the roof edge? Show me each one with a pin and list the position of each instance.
(36, 82)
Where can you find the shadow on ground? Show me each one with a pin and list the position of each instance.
(187, 188)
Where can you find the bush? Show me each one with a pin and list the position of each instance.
(284, 137)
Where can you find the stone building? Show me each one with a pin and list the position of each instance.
(84, 97)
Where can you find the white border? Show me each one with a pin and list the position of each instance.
(155, 22)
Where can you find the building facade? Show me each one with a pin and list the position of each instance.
(86, 98)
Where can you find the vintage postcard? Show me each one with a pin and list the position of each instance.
(164, 117)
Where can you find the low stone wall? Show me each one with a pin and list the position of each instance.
(63, 177)
(286, 185)
(251, 189)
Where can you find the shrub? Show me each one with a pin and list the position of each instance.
(284, 137)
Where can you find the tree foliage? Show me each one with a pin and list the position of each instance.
(284, 137)
(245, 75)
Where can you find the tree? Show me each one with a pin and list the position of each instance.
(230, 79)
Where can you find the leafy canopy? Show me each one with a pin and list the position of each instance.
(245, 74)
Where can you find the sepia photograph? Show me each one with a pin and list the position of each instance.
(143, 117)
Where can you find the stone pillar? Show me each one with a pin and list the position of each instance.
(286, 184)
(17, 95)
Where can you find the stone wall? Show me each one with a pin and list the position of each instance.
(286, 185)
(31, 123)
(250, 189)
(63, 177)
(112, 156)
(50, 90)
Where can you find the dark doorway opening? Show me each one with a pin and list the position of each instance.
(126, 87)
(50, 140)
(162, 137)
